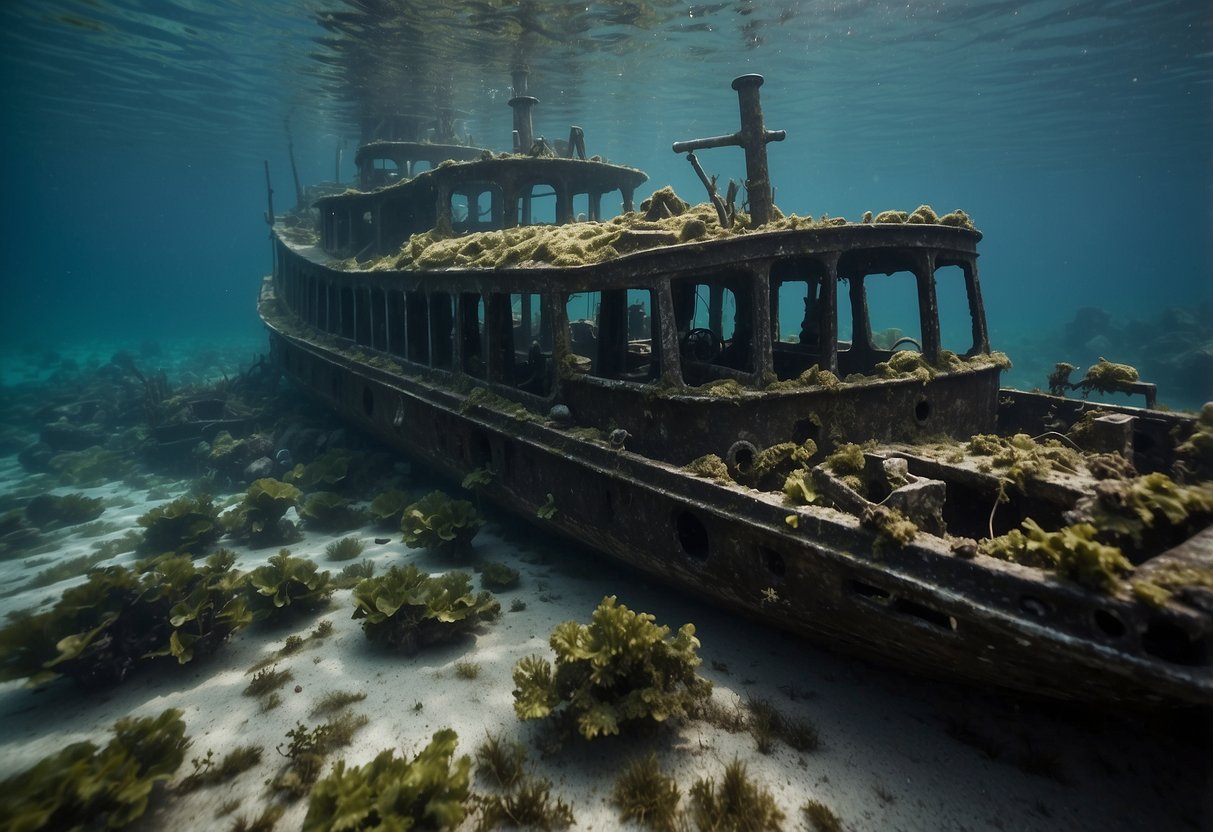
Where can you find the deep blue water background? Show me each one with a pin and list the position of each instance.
(1077, 135)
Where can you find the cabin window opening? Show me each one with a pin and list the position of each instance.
(582, 309)
(417, 327)
(537, 206)
(955, 316)
(715, 320)
(362, 317)
(442, 330)
(801, 313)
(581, 208)
(522, 343)
(884, 318)
(346, 307)
(893, 311)
(379, 319)
(613, 334)
(396, 324)
(476, 208)
(472, 334)
(382, 172)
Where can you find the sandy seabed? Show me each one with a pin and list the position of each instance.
(897, 752)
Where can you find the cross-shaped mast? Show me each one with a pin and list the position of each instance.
(753, 138)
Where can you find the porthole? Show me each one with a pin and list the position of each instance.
(773, 561)
(740, 457)
(922, 411)
(1109, 624)
(692, 535)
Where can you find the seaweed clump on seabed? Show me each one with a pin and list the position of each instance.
(621, 669)
(259, 518)
(185, 525)
(286, 584)
(430, 791)
(82, 786)
(408, 609)
(120, 619)
(440, 523)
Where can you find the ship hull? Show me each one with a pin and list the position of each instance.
(828, 579)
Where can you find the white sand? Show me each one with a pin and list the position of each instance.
(887, 758)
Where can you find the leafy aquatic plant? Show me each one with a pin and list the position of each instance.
(329, 470)
(388, 506)
(497, 576)
(259, 517)
(49, 511)
(1151, 511)
(100, 630)
(440, 523)
(429, 791)
(288, 582)
(329, 511)
(90, 468)
(186, 525)
(1072, 551)
(621, 668)
(353, 573)
(82, 786)
(408, 609)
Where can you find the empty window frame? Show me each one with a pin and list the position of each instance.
(442, 330)
(520, 326)
(417, 327)
(472, 334)
(396, 321)
(378, 299)
(613, 334)
(476, 207)
(714, 316)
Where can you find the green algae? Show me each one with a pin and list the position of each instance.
(1021, 459)
(709, 466)
(734, 804)
(407, 609)
(1073, 552)
(84, 787)
(663, 219)
(440, 523)
(646, 795)
(620, 669)
(428, 791)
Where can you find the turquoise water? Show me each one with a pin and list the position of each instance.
(1076, 134)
